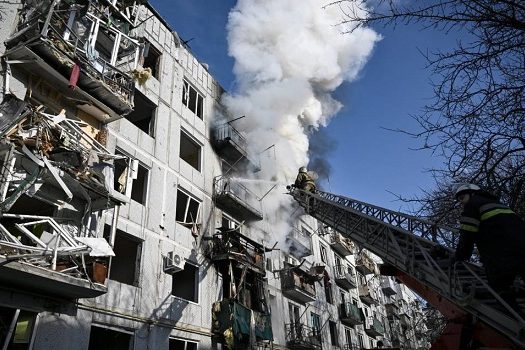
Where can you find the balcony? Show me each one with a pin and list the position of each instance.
(404, 319)
(365, 264)
(388, 286)
(297, 284)
(231, 145)
(367, 295)
(236, 199)
(341, 244)
(374, 327)
(82, 46)
(350, 314)
(302, 337)
(299, 243)
(344, 278)
(392, 310)
(229, 314)
(232, 246)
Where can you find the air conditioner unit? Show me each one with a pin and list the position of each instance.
(173, 263)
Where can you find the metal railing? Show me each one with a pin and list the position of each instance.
(228, 186)
(298, 333)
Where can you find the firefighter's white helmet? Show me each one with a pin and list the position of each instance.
(466, 188)
(302, 169)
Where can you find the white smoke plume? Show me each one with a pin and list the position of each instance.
(289, 56)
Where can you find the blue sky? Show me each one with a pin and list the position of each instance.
(368, 162)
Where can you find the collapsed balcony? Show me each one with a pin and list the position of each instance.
(298, 283)
(341, 244)
(350, 314)
(232, 145)
(235, 198)
(301, 337)
(392, 310)
(299, 243)
(388, 286)
(374, 327)
(83, 49)
(365, 264)
(344, 277)
(231, 246)
(368, 295)
(233, 323)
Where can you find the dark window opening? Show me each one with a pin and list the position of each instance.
(185, 284)
(323, 252)
(108, 339)
(152, 59)
(192, 99)
(187, 208)
(143, 114)
(105, 43)
(121, 173)
(18, 325)
(139, 187)
(126, 262)
(179, 344)
(328, 292)
(334, 339)
(190, 151)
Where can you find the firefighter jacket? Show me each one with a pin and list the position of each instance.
(496, 230)
(304, 180)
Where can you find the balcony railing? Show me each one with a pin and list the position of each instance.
(297, 285)
(302, 337)
(367, 295)
(350, 314)
(237, 199)
(300, 244)
(365, 264)
(392, 309)
(61, 38)
(374, 327)
(341, 244)
(344, 277)
(232, 146)
(232, 246)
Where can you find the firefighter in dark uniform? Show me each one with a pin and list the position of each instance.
(499, 235)
(304, 181)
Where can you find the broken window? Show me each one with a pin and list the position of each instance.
(143, 114)
(125, 265)
(151, 58)
(120, 177)
(179, 344)
(139, 186)
(334, 337)
(187, 208)
(105, 338)
(16, 328)
(229, 223)
(192, 99)
(190, 151)
(185, 284)
(324, 256)
(328, 292)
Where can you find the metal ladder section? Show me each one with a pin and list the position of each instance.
(398, 240)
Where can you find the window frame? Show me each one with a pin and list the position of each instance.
(196, 284)
(191, 140)
(196, 219)
(187, 88)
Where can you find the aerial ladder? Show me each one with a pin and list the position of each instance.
(408, 247)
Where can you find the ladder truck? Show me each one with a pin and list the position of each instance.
(475, 313)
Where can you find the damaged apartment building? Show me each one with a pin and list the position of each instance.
(121, 226)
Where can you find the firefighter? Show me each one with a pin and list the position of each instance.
(304, 181)
(499, 235)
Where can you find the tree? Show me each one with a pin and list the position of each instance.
(477, 117)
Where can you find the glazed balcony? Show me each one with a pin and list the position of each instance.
(232, 146)
(374, 327)
(79, 46)
(341, 244)
(388, 286)
(297, 284)
(236, 199)
(344, 278)
(350, 314)
(368, 295)
(301, 337)
(300, 243)
(232, 246)
(365, 264)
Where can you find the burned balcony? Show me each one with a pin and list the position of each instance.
(350, 314)
(365, 264)
(231, 145)
(300, 243)
(301, 337)
(388, 286)
(231, 246)
(392, 310)
(344, 277)
(237, 199)
(230, 314)
(374, 327)
(81, 48)
(341, 244)
(298, 284)
(368, 295)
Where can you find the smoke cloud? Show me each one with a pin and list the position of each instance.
(289, 56)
